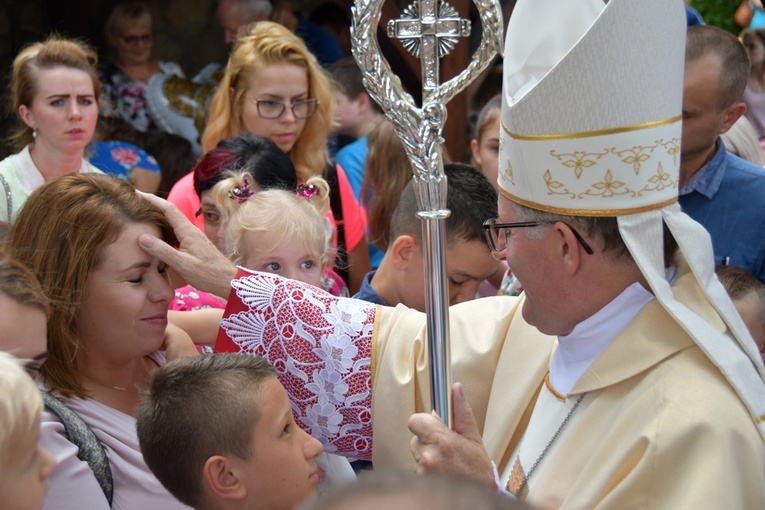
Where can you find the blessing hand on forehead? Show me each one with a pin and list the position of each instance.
(197, 259)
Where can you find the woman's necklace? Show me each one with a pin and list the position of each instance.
(545, 450)
(104, 385)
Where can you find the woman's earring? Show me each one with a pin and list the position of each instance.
(34, 133)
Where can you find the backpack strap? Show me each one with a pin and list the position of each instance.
(336, 204)
(82, 436)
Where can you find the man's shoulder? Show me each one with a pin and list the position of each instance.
(321, 43)
(739, 169)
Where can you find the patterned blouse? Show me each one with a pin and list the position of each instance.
(126, 97)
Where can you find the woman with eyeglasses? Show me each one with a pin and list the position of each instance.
(129, 31)
(274, 87)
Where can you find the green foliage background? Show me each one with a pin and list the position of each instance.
(718, 13)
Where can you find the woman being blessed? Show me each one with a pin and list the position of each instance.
(107, 330)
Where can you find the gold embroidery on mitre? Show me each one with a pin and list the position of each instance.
(672, 147)
(635, 156)
(608, 188)
(507, 173)
(578, 160)
(516, 479)
(661, 181)
(554, 187)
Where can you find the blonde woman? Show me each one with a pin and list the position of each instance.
(274, 87)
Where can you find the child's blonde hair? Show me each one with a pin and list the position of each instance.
(274, 210)
(20, 406)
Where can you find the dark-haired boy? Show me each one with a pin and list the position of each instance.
(471, 199)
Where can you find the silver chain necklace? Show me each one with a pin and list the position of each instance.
(546, 449)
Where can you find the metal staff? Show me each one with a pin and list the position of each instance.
(429, 29)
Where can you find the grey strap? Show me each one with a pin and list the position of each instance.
(81, 435)
(8, 200)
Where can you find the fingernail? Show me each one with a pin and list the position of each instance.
(146, 240)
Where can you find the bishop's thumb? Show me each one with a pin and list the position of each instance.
(463, 419)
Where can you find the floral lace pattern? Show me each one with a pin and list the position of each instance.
(320, 346)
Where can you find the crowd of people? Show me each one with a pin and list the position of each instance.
(244, 328)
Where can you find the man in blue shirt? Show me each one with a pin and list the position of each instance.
(321, 43)
(234, 14)
(723, 192)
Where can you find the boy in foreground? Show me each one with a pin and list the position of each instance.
(219, 433)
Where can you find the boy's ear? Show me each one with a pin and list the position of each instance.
(222, 480)
(403, 249)
(364, 102)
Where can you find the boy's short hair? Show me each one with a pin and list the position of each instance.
(195, 408)
(470, 197)
(347, 78)
(19, 283)
(20, 406)
(739, 283)
(400, 490)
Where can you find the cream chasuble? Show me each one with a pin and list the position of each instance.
(552, 414)
(661, 427)
(553, 411)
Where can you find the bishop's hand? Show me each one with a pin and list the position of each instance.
(460, 451)
(197, 259)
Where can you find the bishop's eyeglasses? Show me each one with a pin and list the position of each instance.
(497, 233)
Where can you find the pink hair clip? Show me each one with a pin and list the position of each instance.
(241, 193)
(306, 190)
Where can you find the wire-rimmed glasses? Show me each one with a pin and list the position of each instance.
(270, 109)
(496, 233)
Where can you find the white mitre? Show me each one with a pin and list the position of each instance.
(591, 125)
